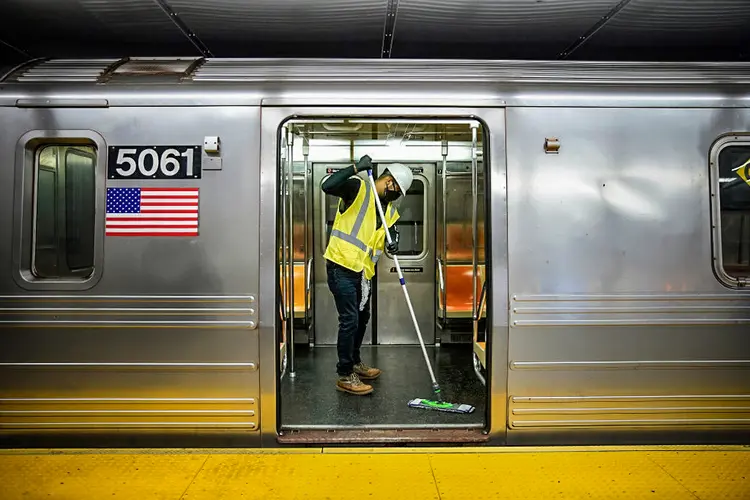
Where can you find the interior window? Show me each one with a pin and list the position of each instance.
(410, 224)
(64, 222)
(734, 208)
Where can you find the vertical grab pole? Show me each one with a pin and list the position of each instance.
(474, 241)
(290, 229)
(282, 195)
(308, 264)
(444, 230)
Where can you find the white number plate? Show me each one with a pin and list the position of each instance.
(154, 162)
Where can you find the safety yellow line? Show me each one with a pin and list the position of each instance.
(422, 473)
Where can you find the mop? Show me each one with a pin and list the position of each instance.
(426, 404)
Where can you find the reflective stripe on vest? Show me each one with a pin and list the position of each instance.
(377, 243)
(352, 237)
(374, 258)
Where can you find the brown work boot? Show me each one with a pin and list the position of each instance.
(353, 385)
(366, 372)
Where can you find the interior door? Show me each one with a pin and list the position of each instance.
(416, 255)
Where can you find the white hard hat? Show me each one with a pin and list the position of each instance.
(402, 175)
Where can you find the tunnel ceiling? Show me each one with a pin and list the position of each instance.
(644, 30)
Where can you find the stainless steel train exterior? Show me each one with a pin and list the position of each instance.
(617, 299)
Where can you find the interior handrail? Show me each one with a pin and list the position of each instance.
(476, 315)
(440, 274)
(309, 273)
(282, 307)
(475, 327)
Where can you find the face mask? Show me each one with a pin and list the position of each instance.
(391, 196)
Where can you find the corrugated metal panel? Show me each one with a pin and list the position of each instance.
(658, 27)
(501, 72)
(66, 70)
(527, 28)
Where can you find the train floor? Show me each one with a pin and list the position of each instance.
(311, 398)
(674, 473)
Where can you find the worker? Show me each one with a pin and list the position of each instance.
(356, 242)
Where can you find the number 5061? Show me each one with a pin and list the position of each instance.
(167, 162)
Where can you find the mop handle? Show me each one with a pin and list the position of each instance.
(402, 281)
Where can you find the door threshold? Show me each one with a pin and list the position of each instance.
(382, 436)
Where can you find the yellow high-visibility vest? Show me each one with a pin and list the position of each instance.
(355, 243)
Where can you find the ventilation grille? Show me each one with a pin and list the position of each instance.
(66, 70)
(156, 66)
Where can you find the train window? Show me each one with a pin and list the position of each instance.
(64, 221)
(410, 224)
(732, 233)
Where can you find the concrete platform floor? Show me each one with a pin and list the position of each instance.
(674, 472)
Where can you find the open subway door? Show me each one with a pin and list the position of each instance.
(462, 277)
(442, 226)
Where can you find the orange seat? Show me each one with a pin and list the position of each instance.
(299, 289)
(459, 241)
(458, 289)
(298, 247)
(458, 276)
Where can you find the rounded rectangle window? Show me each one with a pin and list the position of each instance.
(730, 193)
(58, 237)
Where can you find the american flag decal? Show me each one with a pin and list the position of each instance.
(151, 211)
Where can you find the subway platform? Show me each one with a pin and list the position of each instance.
(652, 472)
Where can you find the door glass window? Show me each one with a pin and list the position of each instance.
(734, 206)
(65, 212)
(410, 225)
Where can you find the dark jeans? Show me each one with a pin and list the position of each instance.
(346, 287)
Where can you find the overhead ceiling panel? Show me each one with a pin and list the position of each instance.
(677, 29)
(458, 29)
(498, 29)
(286, 27)
(95, 28)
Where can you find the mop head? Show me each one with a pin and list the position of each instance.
(427, 404)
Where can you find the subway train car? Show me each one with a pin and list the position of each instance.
(576, 244)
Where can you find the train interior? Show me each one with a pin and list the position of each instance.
(441, 252)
